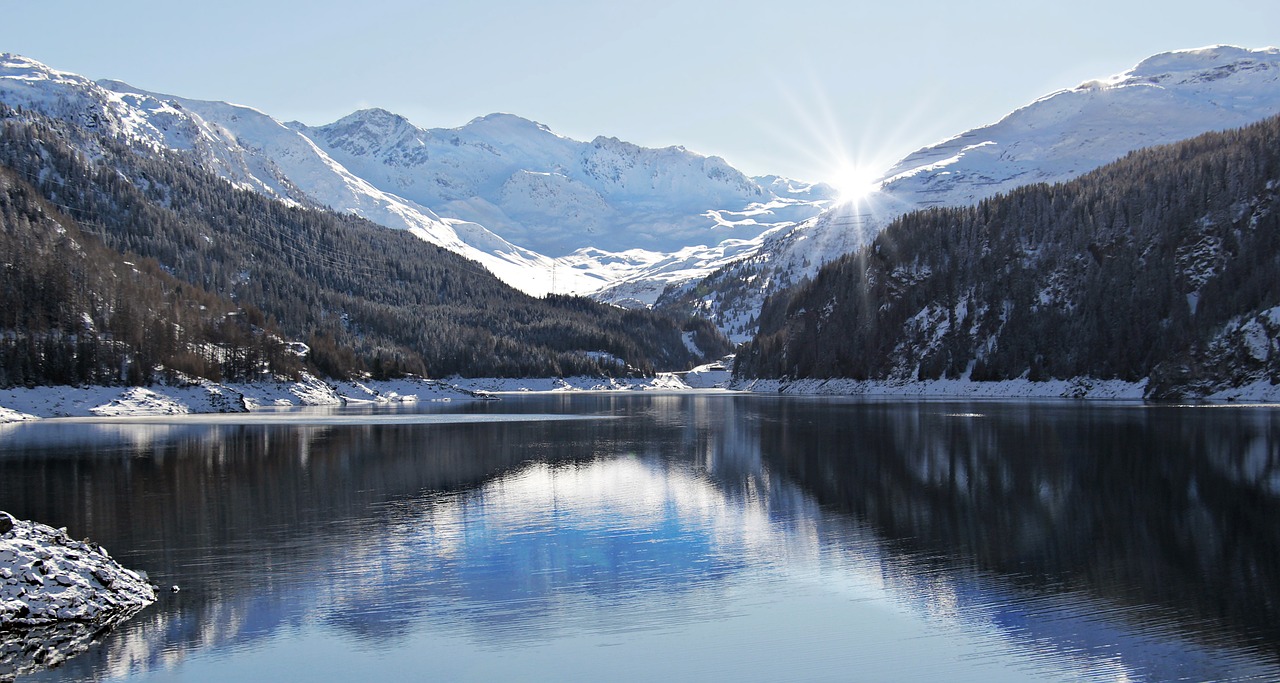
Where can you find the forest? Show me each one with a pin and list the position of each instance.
(1163, 265)
(124, 264)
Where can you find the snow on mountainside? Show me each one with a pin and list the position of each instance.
(556, 195)
(501, 190)
(254, 152)
(1166, 98)
(547, 213)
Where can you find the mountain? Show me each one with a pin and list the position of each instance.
(631, 225)
(252, 151)
(1163, 266)
(502, 190)
(363, 298)
(611, 212)
(550, 193)
(1166, 98)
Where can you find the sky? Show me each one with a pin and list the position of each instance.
(807, 90)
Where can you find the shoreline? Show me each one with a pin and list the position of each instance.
(204, 397)
(23, 404)
(1083, 388)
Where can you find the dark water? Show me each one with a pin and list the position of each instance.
(680, 537)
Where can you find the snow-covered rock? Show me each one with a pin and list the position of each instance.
(58, 596)
(46, 577)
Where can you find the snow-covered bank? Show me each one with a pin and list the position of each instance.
(1081, 387)
(664, 381)
(950, 388)
(202, 396)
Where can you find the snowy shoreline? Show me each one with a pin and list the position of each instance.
(1077, 388)
(203, 397)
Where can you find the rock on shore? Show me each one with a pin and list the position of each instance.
(48, 577)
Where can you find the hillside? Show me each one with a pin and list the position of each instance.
(364, 298)
(1162, 266)
(80, 313)
(1166, 98)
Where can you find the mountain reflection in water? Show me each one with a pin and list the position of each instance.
(729, 536)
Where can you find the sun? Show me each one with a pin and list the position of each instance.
(854, 182)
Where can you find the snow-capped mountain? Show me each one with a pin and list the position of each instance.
(622, 221)
(253, 151)
(1166, 98)
(556, 195)
(501, 190)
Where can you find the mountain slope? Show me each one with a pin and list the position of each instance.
(1166, 98)
(362, 296)
(1162, 266)
(252, 151)
(77, 312)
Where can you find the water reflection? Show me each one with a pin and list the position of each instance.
(1162, 506)
(966, 541)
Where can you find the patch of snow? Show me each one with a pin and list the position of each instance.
(718, 375)
(1259, 391)
(8, 415)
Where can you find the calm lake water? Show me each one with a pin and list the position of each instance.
(679, 537)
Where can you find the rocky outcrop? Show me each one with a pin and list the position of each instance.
(58, 596)
(48, 577)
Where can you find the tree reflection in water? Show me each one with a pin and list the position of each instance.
(1086, 531)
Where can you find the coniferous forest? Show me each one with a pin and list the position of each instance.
(1163, 265)
(138, 260)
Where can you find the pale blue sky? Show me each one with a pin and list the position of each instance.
(789, 88)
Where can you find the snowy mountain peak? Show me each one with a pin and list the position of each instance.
(504, 126)
(18, 67)
(375, 117)
(1217, 61)
(372, 132)
(1165, 98)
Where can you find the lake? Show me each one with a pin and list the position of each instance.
(678, 537)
